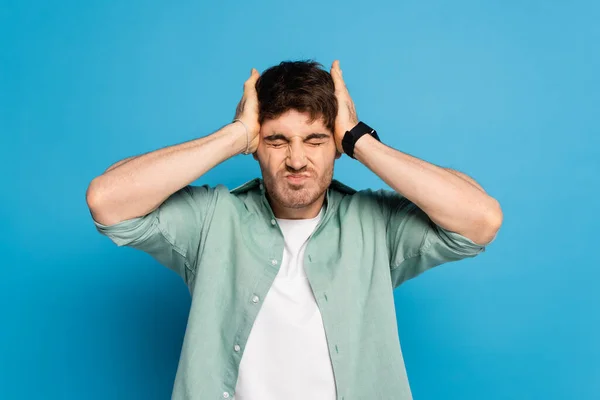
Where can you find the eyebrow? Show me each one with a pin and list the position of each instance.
(280, 136)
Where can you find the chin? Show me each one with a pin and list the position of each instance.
(295, 196)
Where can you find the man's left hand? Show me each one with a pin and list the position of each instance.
(346, 116)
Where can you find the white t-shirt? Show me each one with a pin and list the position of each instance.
(286, 355)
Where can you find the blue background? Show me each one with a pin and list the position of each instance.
(508, 93)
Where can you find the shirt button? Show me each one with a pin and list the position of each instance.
(225, 395)
(273, 222)
(274, 262)
(255, 299)
(236, 348)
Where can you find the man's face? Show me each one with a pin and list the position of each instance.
(296, 159)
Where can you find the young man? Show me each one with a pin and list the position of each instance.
(292, 275)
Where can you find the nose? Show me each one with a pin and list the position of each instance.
(296, 158)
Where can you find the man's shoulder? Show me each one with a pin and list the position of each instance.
(247, 187)
(341, 187)
(366, 193)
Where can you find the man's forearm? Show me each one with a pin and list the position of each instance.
(118, 163)
(465, 177)
(450, 200)
(135, 186)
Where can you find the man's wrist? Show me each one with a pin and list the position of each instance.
(364, 145)
(238, 135)
(354, 134)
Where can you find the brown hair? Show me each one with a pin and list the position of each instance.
(300, 85)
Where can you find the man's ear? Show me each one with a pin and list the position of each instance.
(337, 154)
(255, 155)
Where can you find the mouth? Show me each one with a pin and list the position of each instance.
(296, 178)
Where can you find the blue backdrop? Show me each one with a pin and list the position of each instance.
(503, 92)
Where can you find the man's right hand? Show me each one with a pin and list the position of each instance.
(247, 110)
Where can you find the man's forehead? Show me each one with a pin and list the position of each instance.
(297, 120)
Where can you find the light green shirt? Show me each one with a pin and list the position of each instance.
(227, 247)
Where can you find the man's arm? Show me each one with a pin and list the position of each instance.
(450, 200)
(138, 185)
(465, 177)
(453, 201)
(123, 161)
(135, 187)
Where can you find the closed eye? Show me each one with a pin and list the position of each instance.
(277, 145)
(278, 140)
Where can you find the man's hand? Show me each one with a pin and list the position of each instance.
(346, 116)
(247, 110)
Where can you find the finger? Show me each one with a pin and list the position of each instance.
(251, 81)
(336, 74)
(337, 66)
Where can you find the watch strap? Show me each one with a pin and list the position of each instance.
(351, 137)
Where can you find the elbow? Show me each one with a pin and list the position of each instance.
(101, 190)
(96, 199)
(496, 216)
(108, 209)
(93, 194)
(491, 225)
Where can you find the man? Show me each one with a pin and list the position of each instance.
(292, 275)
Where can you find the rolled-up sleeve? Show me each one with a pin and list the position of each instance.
(171, 233)
(415, 243)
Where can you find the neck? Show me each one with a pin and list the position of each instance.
(308, 212)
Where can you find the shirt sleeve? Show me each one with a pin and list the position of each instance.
(415, 243)
(171, 233)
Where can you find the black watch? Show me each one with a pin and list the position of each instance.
(352, 136)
